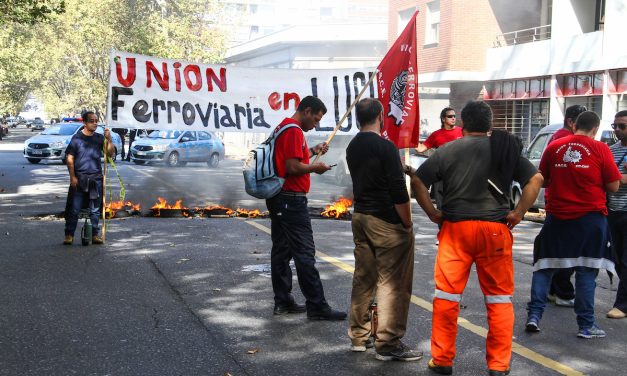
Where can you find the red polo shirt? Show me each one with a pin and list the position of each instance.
(442, 136)
(292, 144)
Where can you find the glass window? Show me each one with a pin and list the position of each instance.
(537, 148)
(403, 18)
(190, 135)
(432, 24)
(204, 136)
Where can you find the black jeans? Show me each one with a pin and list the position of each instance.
(292, 238)
(618, 221)
(561, 286)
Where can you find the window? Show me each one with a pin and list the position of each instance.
(204, 136)
(599, 17)
(190, 136)
(432, 24)
(326, 12)
(536, 150)
(403, 18)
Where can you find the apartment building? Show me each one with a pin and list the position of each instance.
(528, 59)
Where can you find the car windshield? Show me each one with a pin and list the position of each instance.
(62, 130)
(165, 134)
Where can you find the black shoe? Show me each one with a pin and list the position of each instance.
(293, 308)
(402, 353)
(440, 370)
(492, 372)
(326, 313)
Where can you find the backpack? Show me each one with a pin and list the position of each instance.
(260, 178)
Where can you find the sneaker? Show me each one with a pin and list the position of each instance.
(96, 239)
(292, 308)
(616, 313)
(593, 332)
(551, 298)
(68, 240)
(402, 353)
(363, 347)
(327, 313)
(492, 372)
(440, 370)
(564, 302)
(532, 325)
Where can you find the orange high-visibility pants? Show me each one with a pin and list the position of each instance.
(489, 246)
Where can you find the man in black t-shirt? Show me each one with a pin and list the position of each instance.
(83, 163)
(383, 236)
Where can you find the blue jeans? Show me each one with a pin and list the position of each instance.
(585, 284)
(76, 200)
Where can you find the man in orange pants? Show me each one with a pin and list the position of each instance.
(477, 171)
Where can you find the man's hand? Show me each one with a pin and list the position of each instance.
(73, 181)
(513, 218)
(319, 168)
(409, 170)
(107, 134)
(321, 147)
(436, 217)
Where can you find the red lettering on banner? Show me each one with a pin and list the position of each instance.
(288, 97)
(177, 76)
(274, 100)
(211, 78)
(195, 70)
(130, 72)
(151, 70)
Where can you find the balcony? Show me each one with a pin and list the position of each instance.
(533, 34)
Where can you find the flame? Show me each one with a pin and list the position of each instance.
(228, 211)
(114, 206)
(249, 213)
(163, 204)
(338, 208)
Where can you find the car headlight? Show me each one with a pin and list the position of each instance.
(57, 145)
(159, 147)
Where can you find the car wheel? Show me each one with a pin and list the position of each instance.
(34, 160)
(213, 161)
(139, 162)
(173, 159)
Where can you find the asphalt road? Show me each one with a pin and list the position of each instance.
(193, 296)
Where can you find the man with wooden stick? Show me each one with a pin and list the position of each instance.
(477, 171)
(383, 236)
(86, 179)
(292, 235)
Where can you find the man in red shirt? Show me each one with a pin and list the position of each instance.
(292, 235)
(448, 132)
(579, 171)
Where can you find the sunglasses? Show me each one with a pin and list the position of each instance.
(451, 116)
(619, 126)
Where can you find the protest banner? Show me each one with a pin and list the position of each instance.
(153, 93)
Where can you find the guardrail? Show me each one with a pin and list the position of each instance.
(530, 35)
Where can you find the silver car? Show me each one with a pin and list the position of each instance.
(52, 142)
(176, 148)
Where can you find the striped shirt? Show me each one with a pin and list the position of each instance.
(618, 201)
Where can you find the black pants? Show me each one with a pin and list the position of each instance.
(618, 223)
(561, 286)
(292, 238)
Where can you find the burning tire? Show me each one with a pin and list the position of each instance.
(34, 160)
(173, 159)
(213, 161)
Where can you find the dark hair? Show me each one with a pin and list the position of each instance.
(367, 111)
(621, 113)
(443, 113)
(477, 116)
(587, 121)
(85, 115)
(573, 111)
(314, 103)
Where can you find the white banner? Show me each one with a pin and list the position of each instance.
(152, 93)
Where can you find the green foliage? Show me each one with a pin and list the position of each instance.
(65, 62)
(29, 11)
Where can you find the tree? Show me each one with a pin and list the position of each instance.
(29, 11)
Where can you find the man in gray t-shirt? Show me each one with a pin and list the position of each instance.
(476, 172)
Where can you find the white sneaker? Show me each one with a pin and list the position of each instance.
(361, 348)
(564, 303)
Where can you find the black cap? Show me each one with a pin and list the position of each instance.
(573, 111)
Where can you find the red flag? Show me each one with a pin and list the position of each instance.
(397, 81)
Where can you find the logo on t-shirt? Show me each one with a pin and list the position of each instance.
(572, 156)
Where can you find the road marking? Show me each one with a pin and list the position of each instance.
(517, 348)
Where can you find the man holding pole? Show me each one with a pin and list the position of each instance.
(383, 236)
(292, 235)
(86, 179)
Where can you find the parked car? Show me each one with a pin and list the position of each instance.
(11, 122)
(176, 148)
(38, 125)
(52, 142)
(539, 143)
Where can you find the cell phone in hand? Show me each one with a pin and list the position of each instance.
(333, 165)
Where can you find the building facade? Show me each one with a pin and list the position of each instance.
(528, 59)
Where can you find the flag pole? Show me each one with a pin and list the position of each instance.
(104, 193)
(339, 124)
